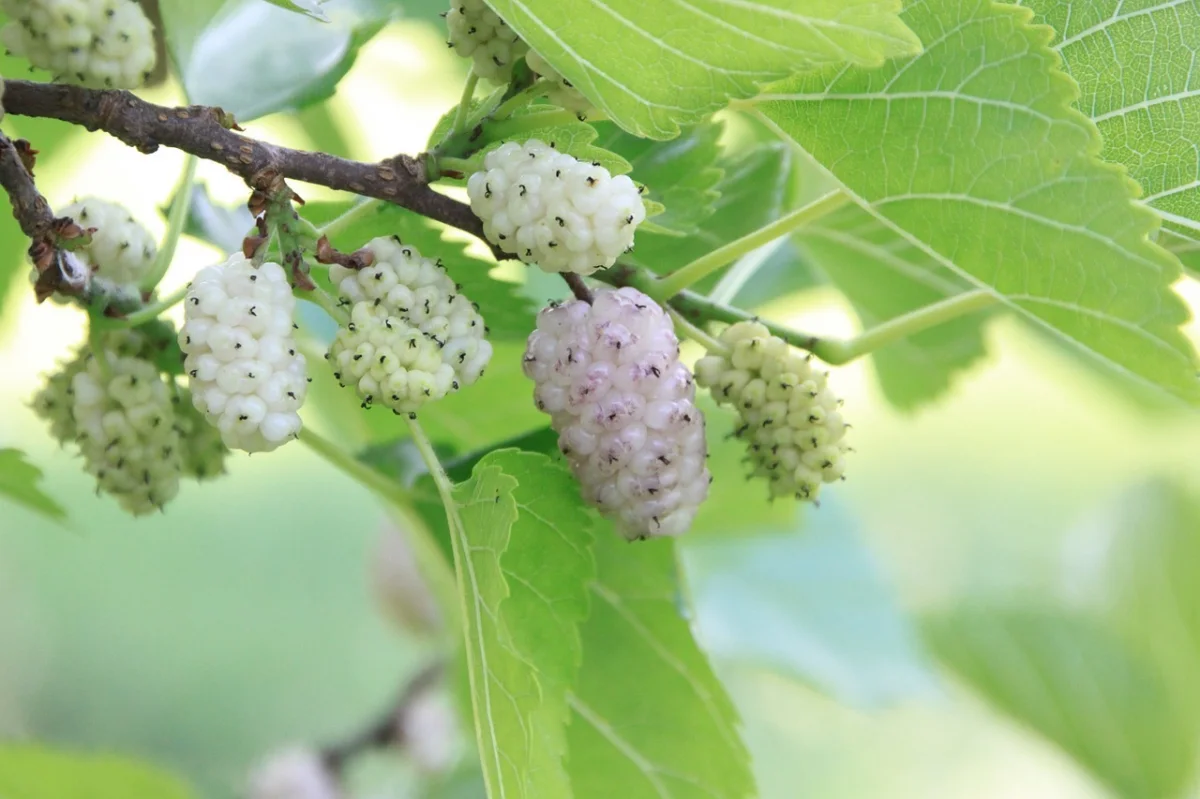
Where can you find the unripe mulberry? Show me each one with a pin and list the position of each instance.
(551, 209)
(478, 33)
(413, 336)
(245, 373)
(126, 431)
(55, 402)
(562, 93)
(430, 731)
(399, 587)
(295, 773)
(104, 44)
(202, 450)
(122, 250)
(609, 376)
(788, 416)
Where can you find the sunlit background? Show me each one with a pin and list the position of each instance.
(241, 619)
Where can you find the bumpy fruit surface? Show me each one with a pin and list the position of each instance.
(609, 376)
(126, 431)
(478, 33)
(203, 452)
(296, 773)
(122, 250)
(789, 418)
(413, 336)
(104, 44)
(553, 210)
(562, 92)
(246, 375)
(55, 402)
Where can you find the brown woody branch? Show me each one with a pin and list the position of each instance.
(210, 133)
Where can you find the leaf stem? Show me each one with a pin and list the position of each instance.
(452, 164)
(838, 352)
(356, 212)
(508, 128)
(175, 224)
(520, 99)
(458, 545)
(464, 105)
(96, 337)
(428, 555)
(326, 301)
(685, 276)
(696, 333)
(152, 311)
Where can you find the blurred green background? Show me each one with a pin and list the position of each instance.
(242, 620)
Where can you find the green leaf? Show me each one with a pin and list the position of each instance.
(1136, 68)
(222, 226)
(755, 189)
(808, 603)
(1157, 598)
(653, 67)
(31, 772)
(224, 58)
(649, 717)
(521, 550)
(559, 129)
(1078, 686)
(680, 174)
(509, 315)
(885, 276)
(19, 482)
(972, 153)
(310, 7)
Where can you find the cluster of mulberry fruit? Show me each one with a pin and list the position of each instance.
(103, 44)
(788, 416)
(553, 210)
(129, 424)
(478, 33)
(413, 336)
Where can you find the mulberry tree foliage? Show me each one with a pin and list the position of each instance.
(547, 344)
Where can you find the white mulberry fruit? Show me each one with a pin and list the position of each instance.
(609, 376)
(563, 93)
(788, 416)
(413, 336)
(55, 401)
(295, 773)
(399, 587)
(126, 431)
(430, 731)
(478, 33)
(246, 375)
(551, 209)
(104, 44)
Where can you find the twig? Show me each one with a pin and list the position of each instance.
(210, 133)
(387, 729)
(30, 208)
(578, 287)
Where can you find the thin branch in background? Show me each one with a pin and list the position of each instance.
(388, 728)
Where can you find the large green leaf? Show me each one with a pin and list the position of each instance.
(1138, 80)
(755, 189)
(650, 720)
(224, 58)
(310, 7)
(521, 549)
(654, 66)
(1157, 596)
(681, 174)
(509, 315)
(808, 603)
(19, 482)
(884, 276)
(972, 153)
(1078, 686)
(31, 772)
